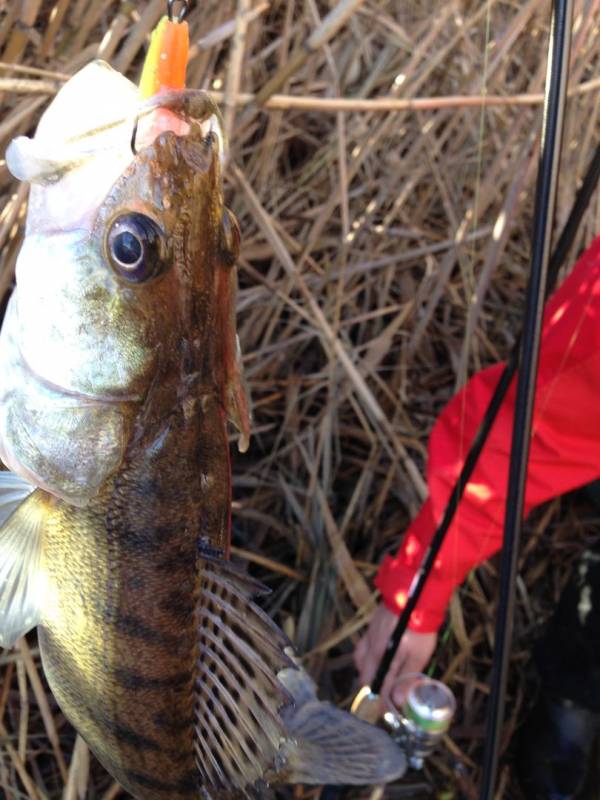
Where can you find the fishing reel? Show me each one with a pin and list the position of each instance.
(420, 722)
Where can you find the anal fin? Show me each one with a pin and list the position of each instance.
(258, 718)
(21, 592)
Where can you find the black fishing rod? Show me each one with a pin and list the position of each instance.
(552, 129)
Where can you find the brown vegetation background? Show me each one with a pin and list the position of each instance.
(385, 253)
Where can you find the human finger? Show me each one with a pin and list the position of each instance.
(363, 661)
(418, 652)
(395, 671)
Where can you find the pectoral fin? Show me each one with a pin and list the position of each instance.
(22, 520)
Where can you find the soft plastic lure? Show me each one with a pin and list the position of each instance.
(166, 61)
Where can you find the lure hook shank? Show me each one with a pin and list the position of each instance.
(185, 7)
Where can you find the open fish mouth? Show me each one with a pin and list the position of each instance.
(193, 108)
(39, 161)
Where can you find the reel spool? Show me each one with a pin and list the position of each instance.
(420, 723)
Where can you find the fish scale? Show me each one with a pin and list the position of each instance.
(145, 662)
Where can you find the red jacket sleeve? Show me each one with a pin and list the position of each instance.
(565, 448)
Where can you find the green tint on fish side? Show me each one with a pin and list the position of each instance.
(121, 369)
(120, 648)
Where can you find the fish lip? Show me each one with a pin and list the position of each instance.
(92, 398)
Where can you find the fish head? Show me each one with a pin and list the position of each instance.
(125, 277)
(168, 247)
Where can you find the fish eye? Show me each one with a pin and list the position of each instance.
(135, 247)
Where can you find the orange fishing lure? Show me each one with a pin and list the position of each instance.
(166, 61)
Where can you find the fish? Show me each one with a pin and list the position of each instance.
(121, 371)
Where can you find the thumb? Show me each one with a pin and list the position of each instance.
(399, 694)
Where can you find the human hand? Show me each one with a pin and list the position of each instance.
(412, 655)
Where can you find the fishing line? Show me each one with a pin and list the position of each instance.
(480, 145)
(482, 118)
(470, 284)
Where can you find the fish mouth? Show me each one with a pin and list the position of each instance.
(88, 397)
(193, 108)
(45, 163)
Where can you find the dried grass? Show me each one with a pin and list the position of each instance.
(384, 260)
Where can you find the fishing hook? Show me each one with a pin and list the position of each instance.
(134, 135)
(182, 14)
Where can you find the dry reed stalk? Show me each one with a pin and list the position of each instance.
(139, 33)
(331, 340)
(268, 563)
(114, 791)
(336, 18)
(43, 704)
(22, 30)
(79, 772)
(59, 76)
(234, 72)
(19, 766)
(55, 21)
(227, 29)
(111, 39)
(231, 99)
